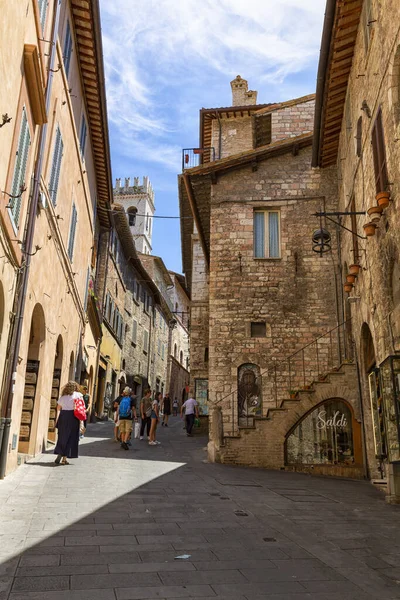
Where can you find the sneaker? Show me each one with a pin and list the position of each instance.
(166, 425)
(125, 446)
(129, 443)
(141, 437)
(189, 435)
(157, 443)
(152, 444)
(162, 424)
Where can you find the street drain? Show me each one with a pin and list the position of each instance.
(269, 539)
(241, 513)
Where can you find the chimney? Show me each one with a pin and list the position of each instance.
(241, 95)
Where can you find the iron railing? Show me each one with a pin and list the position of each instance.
(283, 379)
(193, 157)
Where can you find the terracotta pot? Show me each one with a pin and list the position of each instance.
(348, 287)
(354, 269)
(374, 213)
(369, 229)
(350, 278)
(383, 199)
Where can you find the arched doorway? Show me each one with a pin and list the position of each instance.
(55, 388)
(33, 376)
(327, 439)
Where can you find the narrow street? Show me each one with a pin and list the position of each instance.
(117, 525)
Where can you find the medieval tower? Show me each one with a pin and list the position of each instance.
(138, 202)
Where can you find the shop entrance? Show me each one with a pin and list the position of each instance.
(55, 389)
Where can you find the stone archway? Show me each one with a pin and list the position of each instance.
(55, 387)
(33, 381)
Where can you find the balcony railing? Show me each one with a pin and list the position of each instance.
(193, 157)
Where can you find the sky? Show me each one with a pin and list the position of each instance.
(167, 59)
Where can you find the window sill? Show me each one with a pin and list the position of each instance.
(273, 259)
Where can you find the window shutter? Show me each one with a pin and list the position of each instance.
(86, 290)
(107, 306)
(72, 232)
(262, 132)
(20, 168)
(67, 49)
(273, 231)
(82, 136)
(42, 12)
(378, 150)
(163, 351)
(56, 166)
(134, 331)
(259, 235)
(145, 340)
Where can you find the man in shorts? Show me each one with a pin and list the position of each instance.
(126, 412)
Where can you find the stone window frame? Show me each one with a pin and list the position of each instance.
(252, 329)
(268, 210)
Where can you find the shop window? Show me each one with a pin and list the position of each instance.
(258, 329)
(249, 390)
(323, 437)
(390, 385)
(379, 154)
(267, 234)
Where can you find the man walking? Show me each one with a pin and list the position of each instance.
(191, 410)
(126, 412)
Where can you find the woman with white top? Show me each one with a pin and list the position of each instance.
(67, 424)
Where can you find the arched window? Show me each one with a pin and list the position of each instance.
(175, 351)
(181, 357)
(132, 210)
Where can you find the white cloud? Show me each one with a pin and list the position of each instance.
(164, 58)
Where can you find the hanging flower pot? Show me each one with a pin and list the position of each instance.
(369, 229)
(350, 278)
(348, 287)
(354, 269)
(374, 213)
(383, 199)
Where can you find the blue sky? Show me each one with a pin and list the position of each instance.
(166, 59)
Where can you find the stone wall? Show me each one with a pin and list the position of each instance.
(292, 120)
(199, 315)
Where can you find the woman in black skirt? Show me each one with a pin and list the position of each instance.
(67, 424)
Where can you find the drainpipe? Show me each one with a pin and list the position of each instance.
(321, 77)
(27, 246)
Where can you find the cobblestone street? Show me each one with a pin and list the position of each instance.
(158, 522)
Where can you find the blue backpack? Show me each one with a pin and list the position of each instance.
(125, 407)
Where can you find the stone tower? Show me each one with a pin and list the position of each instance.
(138, 201)
(241, 95)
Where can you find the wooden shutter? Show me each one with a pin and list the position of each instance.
(82, 136)
(72, 232)
(56, 166)
(67, 49)
(134, 331)
(145, 341)
(21, 162)
(262, 130)
(378, 150)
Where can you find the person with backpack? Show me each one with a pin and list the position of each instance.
(126, 412)
(145, 413)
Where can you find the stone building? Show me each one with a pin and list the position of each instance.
(138, 202)
(54, 222)
(357, 130)
(179, 369)
(266, 327)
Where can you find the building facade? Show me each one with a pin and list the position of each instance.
(179, 369)
(357, 131)
(55, 194)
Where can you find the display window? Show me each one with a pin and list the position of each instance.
(375, 393)
(390, 386)
(325, 436)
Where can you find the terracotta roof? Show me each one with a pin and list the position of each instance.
(336, 59)
(86, 23)
(287, 104)
(196, 210)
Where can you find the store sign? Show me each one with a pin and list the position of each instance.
(337, 420)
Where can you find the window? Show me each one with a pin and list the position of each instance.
(137, 292)
(147, 222)
(56, 166)
(262, 130)
(258, 329)
(206, 355)
(21, 162)
(163, 351)
(42, 12)
(187, 363)
(132, 216)
(107, 307)
(359, 137)
(145, 341)
(134, 331)
(86, 290)
(175, 351)
(181, 357)
(67, 49)
(159, 347)
(378, 151)
(72, 231)
(82, 136)
(267, 234)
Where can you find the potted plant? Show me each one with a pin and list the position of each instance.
(374, 213)
(348, 287)
(350, 278)
(293, 394)
(369, 229)
(354, 269)
(383, 199)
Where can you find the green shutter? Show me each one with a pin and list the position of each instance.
(20, 168)
(56, 167)
(72, 231)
